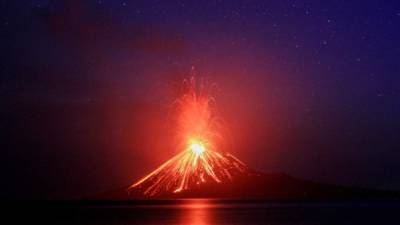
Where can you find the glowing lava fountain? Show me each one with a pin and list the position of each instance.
(200, 138)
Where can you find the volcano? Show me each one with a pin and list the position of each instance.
(203, 168)
(202, 160)
(189, 170)
(200, 173)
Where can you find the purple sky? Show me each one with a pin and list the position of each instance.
(306, 87)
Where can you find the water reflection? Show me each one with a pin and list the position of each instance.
(205, 212)
(196, 212)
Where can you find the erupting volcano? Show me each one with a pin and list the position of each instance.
(200, 139)
(203, 168)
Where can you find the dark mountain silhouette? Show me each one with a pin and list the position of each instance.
(266, 186)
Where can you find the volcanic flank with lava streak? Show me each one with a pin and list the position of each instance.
(189, 169)
(201, 159)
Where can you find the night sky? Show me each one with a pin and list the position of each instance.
(310, 88)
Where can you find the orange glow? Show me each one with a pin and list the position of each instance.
(200, 160)
(197, 120)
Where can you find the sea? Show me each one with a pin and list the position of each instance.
(202, 212)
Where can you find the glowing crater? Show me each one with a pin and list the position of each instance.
(197, 148)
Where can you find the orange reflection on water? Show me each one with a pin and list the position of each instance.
(197, 212)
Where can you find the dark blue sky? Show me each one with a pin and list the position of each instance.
(311, 88)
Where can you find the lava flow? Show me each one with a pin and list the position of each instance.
(201, 159)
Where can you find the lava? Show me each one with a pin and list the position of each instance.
(200, 138)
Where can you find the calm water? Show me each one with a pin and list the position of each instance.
(205, 212)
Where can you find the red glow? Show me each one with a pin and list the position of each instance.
(199, 135)
(196, 115)
(197, 212)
